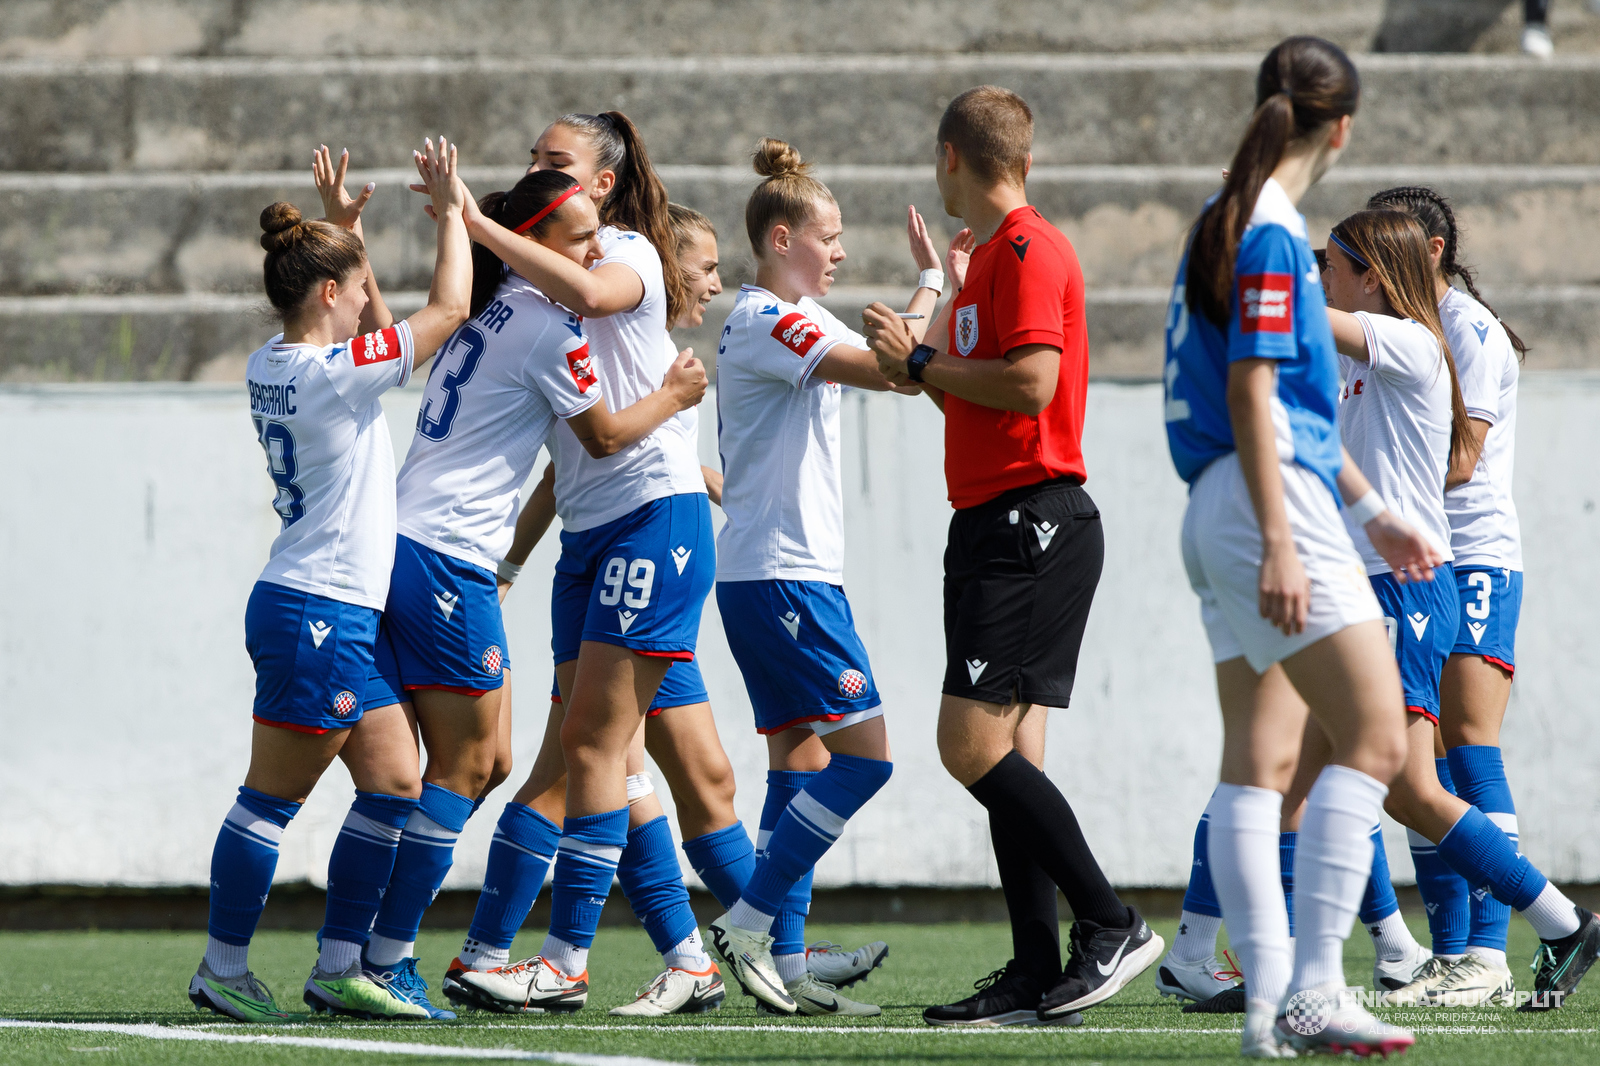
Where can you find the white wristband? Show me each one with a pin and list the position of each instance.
(507, 571)
(932, 278)
(1367, 508)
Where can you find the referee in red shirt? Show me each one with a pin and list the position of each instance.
(1008, 364)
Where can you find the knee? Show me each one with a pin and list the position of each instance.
(965, 761)
(499, 771)
(1382, 754)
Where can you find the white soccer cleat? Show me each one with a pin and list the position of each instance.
(676, 991)
(1474, 982)
(1197, 981)
(1261, 1039)
(832, 964)
(1388, 976)
(530, 985)
(1331, 1020)
(749, 958)
(818, 999)
(1414, 993)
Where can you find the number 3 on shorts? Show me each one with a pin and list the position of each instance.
(1481, 582)
(641, 578)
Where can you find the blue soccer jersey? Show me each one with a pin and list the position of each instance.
(1277, 311)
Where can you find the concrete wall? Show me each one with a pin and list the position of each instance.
(131, 538)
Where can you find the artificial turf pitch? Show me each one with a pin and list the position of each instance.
(139, 979)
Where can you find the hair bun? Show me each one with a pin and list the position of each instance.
(778, 159)
(278, 222)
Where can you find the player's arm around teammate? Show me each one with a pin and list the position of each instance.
(312, 623)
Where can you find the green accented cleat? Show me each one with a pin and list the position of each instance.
(355, 994)
(243, 998)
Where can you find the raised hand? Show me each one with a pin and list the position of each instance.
(440, 179)
(956, 259)
(337, 206)
(922, 249)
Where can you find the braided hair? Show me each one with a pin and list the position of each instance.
(1432, 209)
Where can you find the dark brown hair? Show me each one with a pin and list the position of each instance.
(535, 192)
(301, 254)
(638, 201)
(787, 195)
(1395, 247)
(1430, 208)
(1303, 84)
(992, 129)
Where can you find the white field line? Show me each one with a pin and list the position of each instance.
(371, 1047)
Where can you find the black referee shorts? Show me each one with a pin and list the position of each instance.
(1019, 576)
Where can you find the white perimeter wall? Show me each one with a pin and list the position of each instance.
(133, 521)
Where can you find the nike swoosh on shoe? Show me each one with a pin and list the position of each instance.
(1107, 971)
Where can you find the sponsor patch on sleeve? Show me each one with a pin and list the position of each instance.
(379, 347)
(581, 363)
(797, 332)
(1266, 303)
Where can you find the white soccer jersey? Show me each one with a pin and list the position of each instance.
(1484, 530)
(779, 439)
(632, 353)
(317, 415)
(1394, 418)
(496, 389)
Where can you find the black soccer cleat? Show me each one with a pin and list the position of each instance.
(1102, 962)
(1005, 997)
(1559, 965)
(1228, 1001)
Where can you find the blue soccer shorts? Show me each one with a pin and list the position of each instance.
(313, 657)
(1491, 604)
(443, 619)
(796, 645)
(682, 687)
(1422, 618)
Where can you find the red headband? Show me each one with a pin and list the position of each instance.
(539, 216)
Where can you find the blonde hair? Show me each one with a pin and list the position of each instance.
(788, 196)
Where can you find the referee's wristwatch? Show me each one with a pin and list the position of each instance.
(918, 361)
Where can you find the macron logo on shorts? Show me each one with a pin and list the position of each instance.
(1266, 303)
(797, 332)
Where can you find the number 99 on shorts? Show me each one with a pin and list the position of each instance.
(639, 576)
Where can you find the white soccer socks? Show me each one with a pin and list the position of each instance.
(1333, 860)
(1243, 852)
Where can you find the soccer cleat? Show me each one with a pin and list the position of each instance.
(451, 985)
(1331, 1020)
(1261, 1039)
(818, 999)
(676, 991)
(1197, 981)
(358, 994)
(1415, 992)
(1388, 976)
(749, 956)
(404, 981)
(530, 985)
(1102, 961)
(1228, 1001)
(832, 964)
(1005, 997)
(243, 998)
(1473, 982)
(1559, 965)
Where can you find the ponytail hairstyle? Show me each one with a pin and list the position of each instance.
(638, 200)
(1433, 211)
(302, 253)
(1395, 246)
(537, 192)
(1303, 84)
(788, 196)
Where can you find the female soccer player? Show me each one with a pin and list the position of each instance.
(1404, 420)
(312, 622)
(782, 364)
(1251, 400)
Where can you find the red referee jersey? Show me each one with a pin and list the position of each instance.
(1024, 286)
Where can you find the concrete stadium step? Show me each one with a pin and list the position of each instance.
(265, 114)
(206, 337)
(167, 232)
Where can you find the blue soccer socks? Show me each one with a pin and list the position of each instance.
(1443, 891)
(520, 855)
(724, 859)
(1201, 895)
(653, 882)
(1378, 902)
(1286, 843)
(427, 849)
(1480, 777)
(789, 929)
(587, 857)
(360, 867)
(242, 865)
(808, 827)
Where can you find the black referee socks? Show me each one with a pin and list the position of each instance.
(1031, 905)
(1038, 816)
